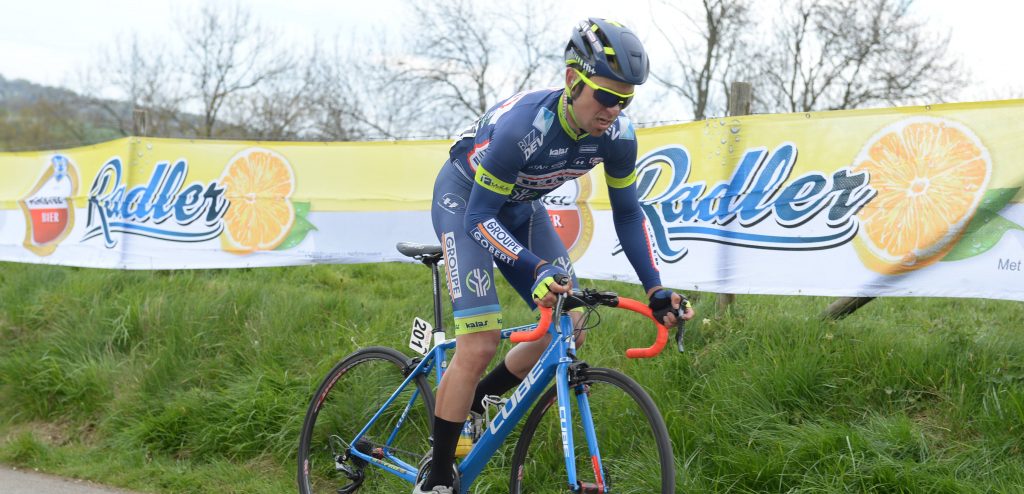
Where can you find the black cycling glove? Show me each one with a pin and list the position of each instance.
(661, 304)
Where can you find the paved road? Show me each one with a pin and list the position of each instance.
(27, 482)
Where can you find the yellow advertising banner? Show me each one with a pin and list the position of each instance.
(920, 201)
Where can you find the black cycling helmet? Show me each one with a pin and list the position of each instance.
(608, 49)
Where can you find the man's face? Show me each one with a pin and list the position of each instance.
(594, 117)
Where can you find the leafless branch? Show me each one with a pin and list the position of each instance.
(228, 53)
(839, 54)
(701, 66)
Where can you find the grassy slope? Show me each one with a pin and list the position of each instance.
(197, 381)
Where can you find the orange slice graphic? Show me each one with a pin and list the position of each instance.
(258, 183)
(930, 174)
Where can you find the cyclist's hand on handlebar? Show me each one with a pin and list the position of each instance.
(551, 280)
(665, 305)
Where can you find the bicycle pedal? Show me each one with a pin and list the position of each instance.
(588, 488)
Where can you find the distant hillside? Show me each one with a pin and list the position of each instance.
(34, 116)
(19, 93)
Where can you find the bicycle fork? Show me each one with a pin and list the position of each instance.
(564, 379)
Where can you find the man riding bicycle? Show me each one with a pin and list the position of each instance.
(487, 210)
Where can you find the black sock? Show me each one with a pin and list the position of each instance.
(496, 383)
(446, 437)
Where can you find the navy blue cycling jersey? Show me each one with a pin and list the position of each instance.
(522, 149)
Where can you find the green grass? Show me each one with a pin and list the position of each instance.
(197, 381)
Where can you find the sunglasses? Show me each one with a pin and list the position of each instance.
(606, 97)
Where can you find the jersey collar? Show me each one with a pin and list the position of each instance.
(562, 105)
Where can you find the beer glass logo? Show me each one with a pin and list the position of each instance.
(49, 212)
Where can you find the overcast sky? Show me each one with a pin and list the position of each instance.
(47, 41)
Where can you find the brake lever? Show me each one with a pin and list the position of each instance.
(680, 331)
(681, 325)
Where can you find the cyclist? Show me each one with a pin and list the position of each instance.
(487, 211)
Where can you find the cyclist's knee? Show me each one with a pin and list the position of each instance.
(475, 350)
(580, 338)
(578, 320)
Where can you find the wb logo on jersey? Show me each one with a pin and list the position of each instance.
(478, 281)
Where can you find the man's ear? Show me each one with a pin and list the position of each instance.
(577, 89)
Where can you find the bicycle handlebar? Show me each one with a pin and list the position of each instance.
(659, 341)
(535, 333)
(620, 302)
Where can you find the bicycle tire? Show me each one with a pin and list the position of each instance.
(631, 435)
(346, 400)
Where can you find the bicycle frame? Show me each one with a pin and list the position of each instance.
(553, 364)
(556, 364)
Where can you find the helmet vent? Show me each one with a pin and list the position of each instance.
(613, 59)
(608, 49)
(634, 52)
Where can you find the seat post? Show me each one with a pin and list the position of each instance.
(438, 328)
(430, 255)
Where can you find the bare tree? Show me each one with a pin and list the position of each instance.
(701, 70)
(281, 108)
(370, 94)
(135, 76)
(227, 54)
(472, 53)
(838, 54)
(537, 44)
(334, 103)
(1007, 91)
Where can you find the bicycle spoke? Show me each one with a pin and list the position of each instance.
(635, 454)
(355, 391)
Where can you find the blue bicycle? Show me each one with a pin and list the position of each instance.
(368, 425)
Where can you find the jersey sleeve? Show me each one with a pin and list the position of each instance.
(493, 182)
(629, 220)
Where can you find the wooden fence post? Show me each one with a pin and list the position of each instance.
(844, 306)
(740, 96)
(139, 122)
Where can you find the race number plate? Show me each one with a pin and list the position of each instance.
(419, 341)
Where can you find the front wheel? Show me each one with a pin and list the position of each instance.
(351, 394)
(635, 449)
